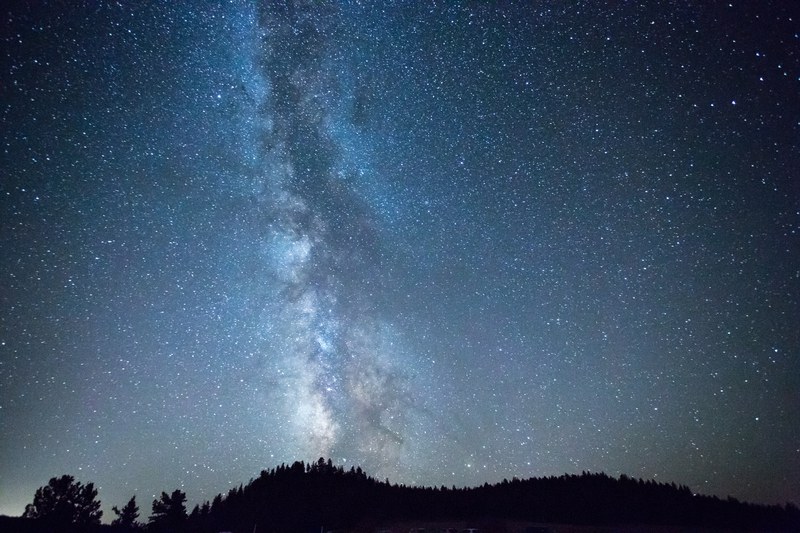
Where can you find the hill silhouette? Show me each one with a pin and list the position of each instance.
(321, 496)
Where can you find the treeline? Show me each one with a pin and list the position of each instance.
(307, 497)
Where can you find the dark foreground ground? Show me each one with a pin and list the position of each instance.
(495, 526)
(20, 525)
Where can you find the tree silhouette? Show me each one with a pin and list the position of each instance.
(128, 515)
(63, 501)
(169, 513)
(306, 497)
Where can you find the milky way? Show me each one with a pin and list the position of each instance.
(451, 243)
(341, 388)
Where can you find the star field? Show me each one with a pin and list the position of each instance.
(451, 243)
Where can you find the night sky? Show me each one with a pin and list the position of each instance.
(449, 242)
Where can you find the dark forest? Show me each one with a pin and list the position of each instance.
(320, 496)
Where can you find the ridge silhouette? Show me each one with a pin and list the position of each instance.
(322, 496)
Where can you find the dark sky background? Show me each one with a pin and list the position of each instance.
(449, 242)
